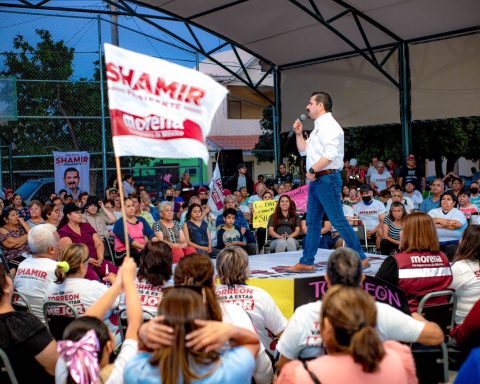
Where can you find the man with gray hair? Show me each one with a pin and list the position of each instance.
(36, 272)
(344, 268)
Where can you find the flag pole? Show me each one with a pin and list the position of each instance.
(122, 204)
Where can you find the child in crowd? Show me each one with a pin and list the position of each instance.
(464, 204)
(229, 234)
(85, 352)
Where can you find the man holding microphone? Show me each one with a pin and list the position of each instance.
(324, 150)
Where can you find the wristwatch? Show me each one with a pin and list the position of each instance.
(311, 170)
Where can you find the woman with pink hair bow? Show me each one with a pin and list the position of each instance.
(84, 355)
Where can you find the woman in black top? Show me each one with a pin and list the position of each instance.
(31, 349)
(284, 226)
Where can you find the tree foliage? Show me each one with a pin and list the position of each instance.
(45, 94)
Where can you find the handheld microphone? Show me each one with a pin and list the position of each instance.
(302, 117)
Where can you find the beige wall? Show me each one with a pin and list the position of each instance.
(445, 78)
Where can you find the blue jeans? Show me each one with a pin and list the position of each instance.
(324, 196)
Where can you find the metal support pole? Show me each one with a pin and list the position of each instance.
(276, 118)
(1, 169)
(114, 24)
(10, 165)
(197, 62)
(405, 92)
(102, 103)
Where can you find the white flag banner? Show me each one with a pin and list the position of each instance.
(157, 108)
(215, 196)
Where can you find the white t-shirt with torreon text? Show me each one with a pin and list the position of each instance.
(150, 297)
(266, 317)
(369, 214)
(81, 294)
(33, 276)
(303, 328)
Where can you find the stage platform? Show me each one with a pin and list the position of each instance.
(290, 290)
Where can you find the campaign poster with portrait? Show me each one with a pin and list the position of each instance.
(72, 172)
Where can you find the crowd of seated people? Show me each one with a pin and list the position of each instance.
(60, 247)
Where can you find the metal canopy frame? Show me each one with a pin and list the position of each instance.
(377, 56)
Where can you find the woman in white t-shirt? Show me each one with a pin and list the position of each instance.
(71, 286)
(466, 272)
(449, 222)
(268, 320)
(153, 274)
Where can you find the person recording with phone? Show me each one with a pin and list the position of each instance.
(324, 150)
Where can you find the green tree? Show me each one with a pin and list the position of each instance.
(44, 93)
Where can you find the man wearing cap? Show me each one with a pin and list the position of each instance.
(98, 217)
(371, 212)
(324, 151)
(412, 173)
(240, 179)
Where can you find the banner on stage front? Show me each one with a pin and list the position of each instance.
(262, 210)
(158, 108)
(72, 172)
(300, 197)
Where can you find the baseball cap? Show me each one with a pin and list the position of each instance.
(113, 189)
(365, 188)
(226, 192)
(71, 207)
(410, 157)
(353, 162)
(202, 189)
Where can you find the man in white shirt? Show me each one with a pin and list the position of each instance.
(343, 267)
(35, 273)
(371, 212)
(372, 169)
(325, 151)
(128, 187)
(378, 181)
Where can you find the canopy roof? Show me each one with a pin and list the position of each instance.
(286, 32)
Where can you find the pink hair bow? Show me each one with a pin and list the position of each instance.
(81, 357)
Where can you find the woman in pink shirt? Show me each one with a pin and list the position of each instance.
(138, 233)
(355, 353)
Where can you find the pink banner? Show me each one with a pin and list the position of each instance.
(300, 197)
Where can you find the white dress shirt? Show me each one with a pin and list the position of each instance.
(326, 140)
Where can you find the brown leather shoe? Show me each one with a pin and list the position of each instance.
(365, 264)
(301, 268)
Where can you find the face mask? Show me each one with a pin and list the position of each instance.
(204, 201)
(366, 199)
(169, 198)
(474, 190)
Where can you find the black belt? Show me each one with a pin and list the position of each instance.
(325, 172)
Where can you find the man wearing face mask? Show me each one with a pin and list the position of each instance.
(474, 195)
(169, 195)
(371, 212)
